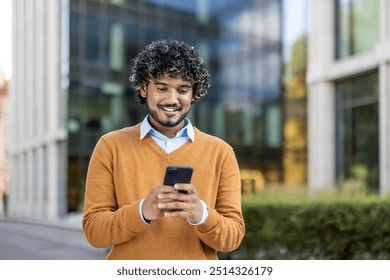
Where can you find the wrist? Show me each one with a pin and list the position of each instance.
(204, 216)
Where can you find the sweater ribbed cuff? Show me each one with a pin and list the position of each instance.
(148, 222)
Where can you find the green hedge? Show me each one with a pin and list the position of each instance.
(339, 230)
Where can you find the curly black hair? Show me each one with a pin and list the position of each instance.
(174, 58)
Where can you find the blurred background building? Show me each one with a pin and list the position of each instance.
(349, 93)
(277, 105)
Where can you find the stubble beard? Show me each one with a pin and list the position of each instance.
(168, 122)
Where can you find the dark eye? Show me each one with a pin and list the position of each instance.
(161, 89)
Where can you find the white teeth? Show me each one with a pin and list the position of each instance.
(169, 109)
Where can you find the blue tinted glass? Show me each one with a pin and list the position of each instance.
(92, 38)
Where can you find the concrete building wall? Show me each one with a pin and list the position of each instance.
(323, 71)
(37, 129)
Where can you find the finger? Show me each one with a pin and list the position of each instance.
(172, 205)
(177, 196)
(185, 188)
(158, 192)
(168, 196)
(150, 210)
(166, 189)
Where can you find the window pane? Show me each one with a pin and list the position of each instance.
(357, 26)
(366, 24)
(74, 35)
(358, 131)
(117, 47)
(92, 39)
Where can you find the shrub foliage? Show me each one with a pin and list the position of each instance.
(342, 230)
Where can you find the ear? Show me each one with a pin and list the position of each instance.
(143, 91)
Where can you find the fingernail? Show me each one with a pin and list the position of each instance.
(159, 205)
(159, 196)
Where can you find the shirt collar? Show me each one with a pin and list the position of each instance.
(188, 130)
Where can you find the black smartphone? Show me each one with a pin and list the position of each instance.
(178, 174)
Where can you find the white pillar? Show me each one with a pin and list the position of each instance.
(383, 51)
(384, 128)
(321, 97)
(321, 127)
(53, 87)
(28, 104)
(40, 113)
(16, 113)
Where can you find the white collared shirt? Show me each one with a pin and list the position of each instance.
(166, 143)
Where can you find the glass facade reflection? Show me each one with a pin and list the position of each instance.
(358, 131)
(357, 26)
(241, 42)
(295, 29)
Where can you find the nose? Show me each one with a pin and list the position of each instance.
(171, 96)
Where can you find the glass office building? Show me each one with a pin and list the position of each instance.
(241, 42)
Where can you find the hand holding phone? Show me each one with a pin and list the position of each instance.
(186, 206)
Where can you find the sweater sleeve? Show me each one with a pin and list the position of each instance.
(103, 223)
(224, 228)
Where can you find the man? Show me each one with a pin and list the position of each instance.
(126, 205)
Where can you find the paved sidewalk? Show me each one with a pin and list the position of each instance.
(41, 240)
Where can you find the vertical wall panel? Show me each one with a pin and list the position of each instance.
(36, 153)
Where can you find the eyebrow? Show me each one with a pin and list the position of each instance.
(187, 85)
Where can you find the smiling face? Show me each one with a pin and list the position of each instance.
(168, 101)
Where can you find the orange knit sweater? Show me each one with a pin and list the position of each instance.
(124, 168)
